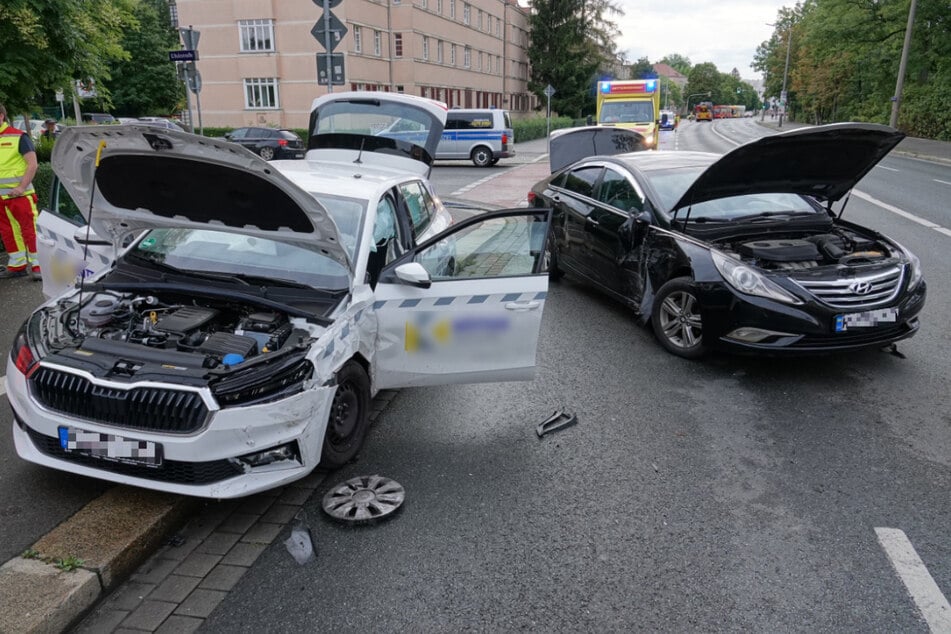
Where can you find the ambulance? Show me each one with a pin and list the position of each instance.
(632, 104)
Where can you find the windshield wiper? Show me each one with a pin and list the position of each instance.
(773, 215)
(158, 264)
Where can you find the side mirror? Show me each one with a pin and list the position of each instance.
(414, 274)
(643, 218)
(227, 136)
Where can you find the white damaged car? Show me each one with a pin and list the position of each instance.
(234, 340)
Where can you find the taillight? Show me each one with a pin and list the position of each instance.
(505, 139)
(531, 198)
(22, 354)
(282, 142)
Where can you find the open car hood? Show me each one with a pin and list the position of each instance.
(568, 145)
(824, 162)
(150, 177)
(389, 130)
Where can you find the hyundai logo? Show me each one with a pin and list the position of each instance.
(861, 287)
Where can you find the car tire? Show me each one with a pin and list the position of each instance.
(676, 319)
(266, 152)
(494, 161)
(481, 156)
(349, 417)
(551, 260)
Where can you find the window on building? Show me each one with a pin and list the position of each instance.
(357, 40)
(256, 35)
(452, 54)
(439, 7)
(261, 92)
(399, 88)
(467, 57)
(452, 9)
(423, 4)
(425, 47)
(480, 16)
(439, 45)
(173, 13)
(466, 13)
(377, 43)
(397, 45)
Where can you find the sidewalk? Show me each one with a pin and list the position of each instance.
(510, 188)
(928, 149)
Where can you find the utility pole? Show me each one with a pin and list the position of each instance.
(902, 66)
(783, 97)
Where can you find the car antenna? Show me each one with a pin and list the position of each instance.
(92, 195)
(358, 161)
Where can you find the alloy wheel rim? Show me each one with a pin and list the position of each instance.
(679, 320)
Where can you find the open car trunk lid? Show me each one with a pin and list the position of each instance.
(568, 145)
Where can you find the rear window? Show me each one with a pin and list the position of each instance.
(287, 134)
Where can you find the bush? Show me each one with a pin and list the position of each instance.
(536, 127)
(42, 183)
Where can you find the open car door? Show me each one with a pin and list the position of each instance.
(65, 247)
(466, 306)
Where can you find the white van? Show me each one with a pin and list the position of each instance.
(483, 135)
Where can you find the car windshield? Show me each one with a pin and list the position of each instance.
(626, 112)
(671, 185)
(207, 251)
(348, 214)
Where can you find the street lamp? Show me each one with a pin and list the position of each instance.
(782, 95)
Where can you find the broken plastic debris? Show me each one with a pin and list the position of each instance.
(300, 544)
(558, 420)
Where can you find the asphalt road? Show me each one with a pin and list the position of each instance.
(732, 494)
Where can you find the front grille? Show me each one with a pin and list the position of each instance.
(168, 471)
(856, 292)
(147, 408)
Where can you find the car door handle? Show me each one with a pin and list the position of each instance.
(593, 223)
(523, 306)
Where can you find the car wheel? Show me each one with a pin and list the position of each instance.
(481, 156)
(267, 153)
(349, 417)
(676, 318)
(494, 161)
(551, 260)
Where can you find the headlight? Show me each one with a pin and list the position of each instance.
(747, 280)
(914, 267)
(22, 353)
(263, 384)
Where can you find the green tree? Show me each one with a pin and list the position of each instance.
(47, 44)
(568, 48)
(642, 69)
(704, 78)
(680, 63)
(147, 83)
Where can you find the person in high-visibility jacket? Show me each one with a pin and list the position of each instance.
(17, 200)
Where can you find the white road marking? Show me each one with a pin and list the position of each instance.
(3, 385)
(896, 210)
(890, 169)
(938, 180)
(918, 581)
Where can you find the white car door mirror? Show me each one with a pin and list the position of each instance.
(414, 274)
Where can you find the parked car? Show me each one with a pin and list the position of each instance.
(234, 317)
(668, 120)
(161, 122)
(743, 252)
(98, 118)
(482, 135)
(269, 143)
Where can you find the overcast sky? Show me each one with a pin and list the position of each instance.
(725, 32)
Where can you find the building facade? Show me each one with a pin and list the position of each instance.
(258, 58)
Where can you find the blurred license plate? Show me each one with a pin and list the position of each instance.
(866, 319)
(110, 447)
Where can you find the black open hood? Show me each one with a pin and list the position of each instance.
(824, 162)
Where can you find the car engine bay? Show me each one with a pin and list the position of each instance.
(838, 247)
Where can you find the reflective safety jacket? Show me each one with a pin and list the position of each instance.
(12, 163)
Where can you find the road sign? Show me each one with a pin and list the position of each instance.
(190, 38)
(183, 56)
(335, 73)
(550, 90)
(329, 37)
(60, 96)
(330, 3)
(194, 82)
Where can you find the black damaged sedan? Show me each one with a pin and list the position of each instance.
(746, 252)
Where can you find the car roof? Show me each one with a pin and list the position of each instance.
(340, 179)
(659, 161)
